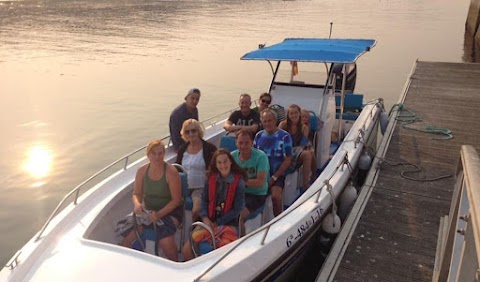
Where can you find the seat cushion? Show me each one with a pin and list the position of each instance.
(228, 143)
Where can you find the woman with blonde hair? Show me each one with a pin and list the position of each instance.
(195, 156)
(157, 191)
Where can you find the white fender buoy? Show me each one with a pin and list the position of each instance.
(347, 199)
(349, 195)
(331, 223)
(364, 164)
(383, 122)
(365, 161)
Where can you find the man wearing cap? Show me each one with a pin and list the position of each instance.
(186, 110)
(245, 118)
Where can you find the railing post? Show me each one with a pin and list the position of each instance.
(75, 199)
(460, 253)
(453, 215)
(468, 265)
(126, 163)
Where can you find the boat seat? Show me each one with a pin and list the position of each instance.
(291, 191)
(187, 202)
(313, 122)
(256, 212)
(314, 126)
(256, 218)
(187, 199)
(204, 248)
(148, 244)
(280, 111)
(333, 148)
(228, 143)
(352, 106)
(351, 102)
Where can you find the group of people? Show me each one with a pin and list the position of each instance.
(224, 186)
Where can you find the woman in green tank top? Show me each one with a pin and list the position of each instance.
(157, 191)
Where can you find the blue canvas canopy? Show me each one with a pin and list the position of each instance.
(313, 50)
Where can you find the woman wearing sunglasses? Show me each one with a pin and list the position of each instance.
(264, 101)
(195, 156)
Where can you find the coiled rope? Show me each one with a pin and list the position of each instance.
(415, 169)
(408, 117)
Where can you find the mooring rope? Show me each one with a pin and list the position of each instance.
(407, 116)
(416, 169)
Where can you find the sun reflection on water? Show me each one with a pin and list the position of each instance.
(38, 162)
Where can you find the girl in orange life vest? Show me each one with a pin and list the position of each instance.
(222, 202)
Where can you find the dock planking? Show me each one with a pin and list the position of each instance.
(395, 238)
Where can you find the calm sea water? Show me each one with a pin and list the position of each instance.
(83, 82)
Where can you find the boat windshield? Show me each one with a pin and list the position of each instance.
(301, 73)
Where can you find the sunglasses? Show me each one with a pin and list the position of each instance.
(188, 131)
(266, 101)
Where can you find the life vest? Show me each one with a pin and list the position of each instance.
(231, 190)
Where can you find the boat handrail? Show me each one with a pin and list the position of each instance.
(125, 159)
(217, 116)
(458, 249)
(76, 190)
(296, 204)
(266, 227)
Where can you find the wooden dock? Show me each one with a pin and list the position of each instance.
(392, 235)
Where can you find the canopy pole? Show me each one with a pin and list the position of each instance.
(331, 27)
(342, 102)
(291, 71)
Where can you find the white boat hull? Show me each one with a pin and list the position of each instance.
(79, 244)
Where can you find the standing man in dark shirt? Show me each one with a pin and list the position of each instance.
(186, 110)
(245, 118)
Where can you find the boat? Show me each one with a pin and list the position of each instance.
(77, 242)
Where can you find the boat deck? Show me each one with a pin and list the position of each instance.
(395, 237)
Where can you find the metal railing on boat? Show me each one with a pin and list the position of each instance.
(207, 123)
(76, 191)
(211, 122)
(358, 139)
(458, 248)
(266, 228)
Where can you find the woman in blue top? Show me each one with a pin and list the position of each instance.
(157, 191)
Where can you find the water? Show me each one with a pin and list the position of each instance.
(84, 82)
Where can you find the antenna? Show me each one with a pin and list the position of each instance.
(261, 46)
(331, 26)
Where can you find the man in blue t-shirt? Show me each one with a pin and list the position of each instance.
(255, 163)
(245, 118)
(277, 145)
